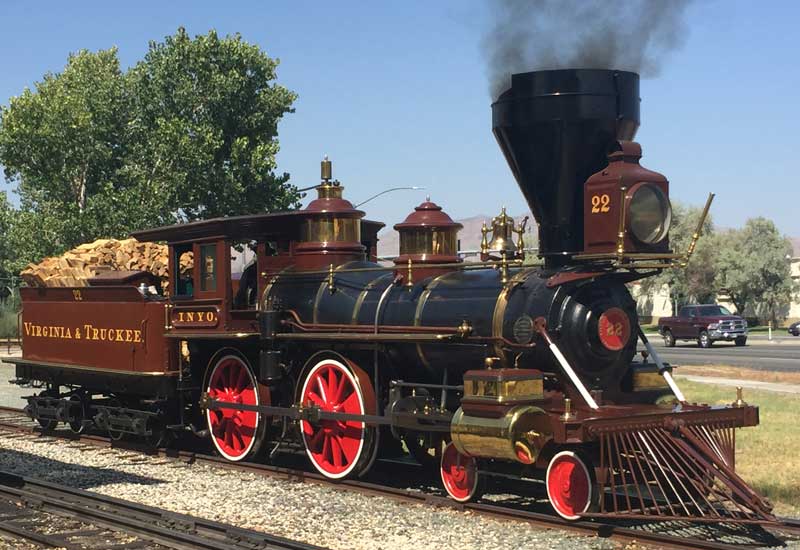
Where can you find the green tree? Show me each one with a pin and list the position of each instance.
(204, 125)
(190, 132)
(63, 144)
(7, 255)
(754, 268)
(62, 141)
(696, 282)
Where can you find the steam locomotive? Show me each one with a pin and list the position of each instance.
(500, 366)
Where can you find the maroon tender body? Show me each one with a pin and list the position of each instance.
(704, 323)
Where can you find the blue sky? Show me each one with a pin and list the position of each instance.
(396, 94)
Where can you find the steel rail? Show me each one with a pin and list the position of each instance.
(593, 527)
(174, 530)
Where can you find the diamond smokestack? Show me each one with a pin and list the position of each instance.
(555, 129)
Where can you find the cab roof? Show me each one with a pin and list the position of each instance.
(251, 226)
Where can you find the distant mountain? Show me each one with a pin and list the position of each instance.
(469, 237)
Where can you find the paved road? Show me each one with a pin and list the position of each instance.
(10, 395)
(780, 356)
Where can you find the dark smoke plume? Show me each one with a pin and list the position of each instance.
(529, 35)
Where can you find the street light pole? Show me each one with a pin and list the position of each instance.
(375, 196)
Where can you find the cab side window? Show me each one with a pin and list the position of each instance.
(684, 312)
(208, 267)
(184, 261)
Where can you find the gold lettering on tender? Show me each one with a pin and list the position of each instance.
(95, 334)
(137, 336)
(190, 316)
(180, 317)
(87, 330)
(77, 333)
(38, 330)
(67, 333)
(119, 333)
(128, 335)
(103, 332)
(210, 317)
(27, 327)
(44, 332)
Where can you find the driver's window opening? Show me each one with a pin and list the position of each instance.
(184, 264)
(208, 267)
(244, 274)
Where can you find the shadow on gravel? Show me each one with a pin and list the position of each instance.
(531, 497)
(726, 533)
(75, 475)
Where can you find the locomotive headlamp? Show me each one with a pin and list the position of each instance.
(626, 209)
(650, 213)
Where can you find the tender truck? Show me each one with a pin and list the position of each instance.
(705, 323)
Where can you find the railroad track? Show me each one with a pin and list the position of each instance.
(114, 522)
(661, 534)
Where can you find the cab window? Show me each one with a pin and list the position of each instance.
(208, 267)
(184, 262)
(244, 274)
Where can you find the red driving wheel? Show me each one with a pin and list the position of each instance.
(459, 474)
(336, 447)
(234, 433)
(569, 485)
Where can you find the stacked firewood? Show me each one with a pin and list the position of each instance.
(75, 267)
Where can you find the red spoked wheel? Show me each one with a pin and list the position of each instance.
(459, 474)
(338, 448)
(236, 434)
(569, 485)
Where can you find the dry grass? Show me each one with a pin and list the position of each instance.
(724, 371)
(767, 455)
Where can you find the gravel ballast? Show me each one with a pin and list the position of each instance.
(325, 516)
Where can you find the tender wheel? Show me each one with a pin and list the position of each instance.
(77, 424)
(336, 448)
(741, 341)
(669, 339)
(704, 340)
(115, 435)
(46, 424)
(459, 475)
(235, 434)
(569, 485)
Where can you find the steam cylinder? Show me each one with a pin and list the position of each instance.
(555, 128)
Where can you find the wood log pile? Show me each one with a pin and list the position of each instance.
(75, 267)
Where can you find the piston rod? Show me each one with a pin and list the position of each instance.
(663, 370)
(573, 376)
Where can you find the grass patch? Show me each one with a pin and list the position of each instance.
(8, 316)
(766, 455)
(742, 373)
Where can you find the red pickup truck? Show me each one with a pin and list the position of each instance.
(704, 323)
